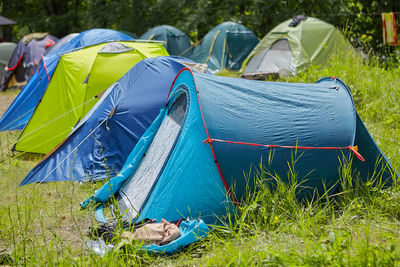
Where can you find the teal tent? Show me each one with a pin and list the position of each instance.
(225, 47)
(192, 159)
(175, 41)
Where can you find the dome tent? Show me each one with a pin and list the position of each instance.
(98, 146)
(290, 46)
(21, 109)
(175, 41)
(224, 47)
(76, 85)
(215, 128)
(6, 50)
(25, 59)
(60, 43)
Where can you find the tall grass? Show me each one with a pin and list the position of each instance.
(359, 225)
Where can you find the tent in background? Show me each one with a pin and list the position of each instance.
(175, 41)
(6, 50)
(224, 47)
(25, 59)
(293, 44)
(6, 21)
(60, 43)
(99, 145)
(191, 161)
(131, 34)
(21, 109)
(76, 85)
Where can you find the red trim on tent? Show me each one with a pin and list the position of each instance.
(16, 65)
(353, 149)
(45, 68)
(176, 77)
(209, 140)
(208, 135)
(49, 43)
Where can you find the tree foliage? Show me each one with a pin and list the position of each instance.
(360, 19)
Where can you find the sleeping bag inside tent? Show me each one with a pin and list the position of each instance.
(78, 80)
(224, 47)
(25, 59)
(100, 144)
(192, 160)
(23, 106)
(289, 46)
(174, 40)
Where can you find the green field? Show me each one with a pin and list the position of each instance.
(43, 224)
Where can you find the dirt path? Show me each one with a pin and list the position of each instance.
(6, 99)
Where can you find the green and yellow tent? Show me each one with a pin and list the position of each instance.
(76, 85)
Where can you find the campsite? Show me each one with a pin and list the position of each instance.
(217, 133)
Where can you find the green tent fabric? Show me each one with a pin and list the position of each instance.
(6, 50)
(286, 48)
(77, 83)
(224, 47)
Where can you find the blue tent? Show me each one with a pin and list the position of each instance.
(191, 160)
(23, 106)
(60, 43)
(175, 41)
(99, 145)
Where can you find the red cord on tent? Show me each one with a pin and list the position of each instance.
(208, 135)
(353, 149)
(45, 68)
(16, 65)
(213, 153)
(49, 43)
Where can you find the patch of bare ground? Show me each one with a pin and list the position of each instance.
(6, 98)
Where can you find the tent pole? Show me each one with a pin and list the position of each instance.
(212, 46)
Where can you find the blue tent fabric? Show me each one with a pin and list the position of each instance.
(21, 109)
(376, 164)
(23, 106)
(190, 230)
(60, 43)
(134, 102)
(92, 37)
(190, 184)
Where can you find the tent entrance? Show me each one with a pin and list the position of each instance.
(133, 195)
(275, 61)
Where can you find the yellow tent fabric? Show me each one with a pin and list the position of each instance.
(79, 77)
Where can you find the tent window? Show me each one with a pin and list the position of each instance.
(133, 195)
(274, 60)
(115, 48)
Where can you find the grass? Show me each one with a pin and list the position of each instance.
(42, 224)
